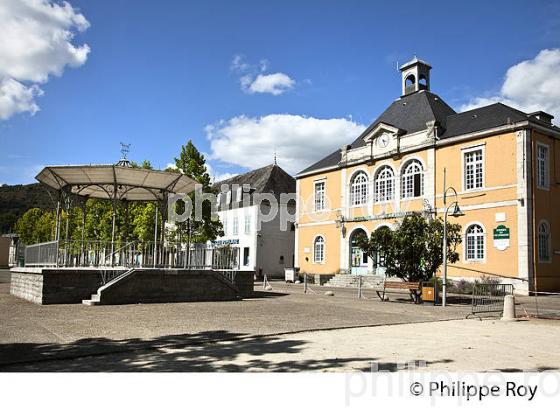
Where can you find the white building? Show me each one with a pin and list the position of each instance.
(245, 202)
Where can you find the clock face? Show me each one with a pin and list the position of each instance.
(383, 140)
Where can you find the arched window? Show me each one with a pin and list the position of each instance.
(544, 242)
(359, 189)
(319, 250)
(384, 184)
(475, 243)
(412, 184)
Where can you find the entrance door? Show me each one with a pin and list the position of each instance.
(378, 262)
(358, 258)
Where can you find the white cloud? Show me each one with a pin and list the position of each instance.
(36, 42)
(254, 80)
(275, 84)
(238, 63)
(217, 176)
(532, 85)
(16, 98)
(298, 141)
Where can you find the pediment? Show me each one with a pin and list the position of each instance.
(382, 128)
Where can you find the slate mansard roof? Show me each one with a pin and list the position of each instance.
(270, 179)
(411, 112)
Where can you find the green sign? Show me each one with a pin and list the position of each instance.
(501, 232)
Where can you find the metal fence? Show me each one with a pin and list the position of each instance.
(101, 254)
(489, 297)
(41, 254)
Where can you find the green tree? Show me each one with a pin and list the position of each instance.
(36, 226)
(193, 164)
(413, 251)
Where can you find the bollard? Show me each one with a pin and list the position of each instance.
(305, 283)
(509, 309)
(359, 286)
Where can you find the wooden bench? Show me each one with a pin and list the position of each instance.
(393, 286)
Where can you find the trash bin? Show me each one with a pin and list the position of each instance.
(429, 292)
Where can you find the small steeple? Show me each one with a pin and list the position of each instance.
(415, 76)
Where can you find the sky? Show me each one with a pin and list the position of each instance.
(245, 79)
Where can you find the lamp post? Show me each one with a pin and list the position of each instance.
(456, 213)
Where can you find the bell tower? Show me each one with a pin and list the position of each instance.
(415, 76)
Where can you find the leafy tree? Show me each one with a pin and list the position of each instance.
(36, 226)
(413, 251)
(192, 164)
(143, 219)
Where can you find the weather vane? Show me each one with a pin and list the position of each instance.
(125, 149)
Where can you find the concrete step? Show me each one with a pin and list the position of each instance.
(93, 301)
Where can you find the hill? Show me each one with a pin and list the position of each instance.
(16, 199)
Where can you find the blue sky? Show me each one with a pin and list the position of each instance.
(160, 73)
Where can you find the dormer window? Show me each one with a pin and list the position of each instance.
(239, 194)
(228, 198)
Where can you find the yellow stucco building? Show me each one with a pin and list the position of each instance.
(503, 163)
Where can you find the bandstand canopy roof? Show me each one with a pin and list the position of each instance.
(120, 182)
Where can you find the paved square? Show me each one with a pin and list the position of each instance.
(283, 330)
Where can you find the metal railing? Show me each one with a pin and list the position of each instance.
(41, 254)
(103, 254)
(489, 297)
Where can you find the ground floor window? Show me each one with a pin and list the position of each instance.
(319, 250)
(475, 243)
(245, 256)
(544, 242)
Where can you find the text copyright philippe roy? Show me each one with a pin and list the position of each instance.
(471, 391)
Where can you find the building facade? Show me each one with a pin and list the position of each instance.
(253, 208)
(503, 163)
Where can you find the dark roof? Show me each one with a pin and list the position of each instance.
(328, 161)
(411, 113)
(482, 118)
(270, 179)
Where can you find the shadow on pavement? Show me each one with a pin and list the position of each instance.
(261, 294)
(201, 352)
(187, 353)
